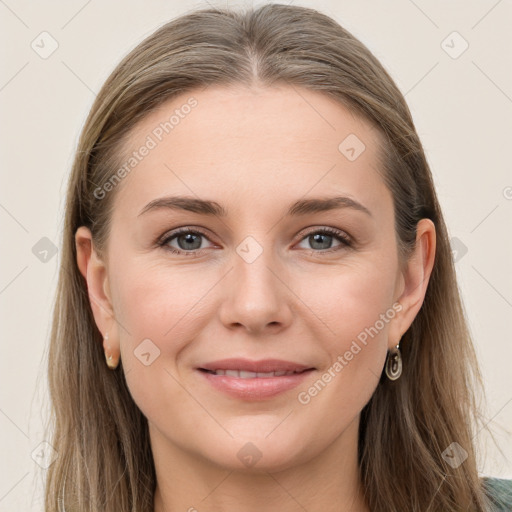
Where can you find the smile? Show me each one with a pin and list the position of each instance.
(244, 374)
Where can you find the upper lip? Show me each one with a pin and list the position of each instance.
(262, 366)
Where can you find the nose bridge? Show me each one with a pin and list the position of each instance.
(252, 263)
(254, 296)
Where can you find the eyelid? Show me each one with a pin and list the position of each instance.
(344, 239)
(167, 236)
(326, 229)
(184, 229)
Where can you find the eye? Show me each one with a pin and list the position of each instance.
(189, 242)
(321, 239)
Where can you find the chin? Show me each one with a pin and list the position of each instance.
(260, 454)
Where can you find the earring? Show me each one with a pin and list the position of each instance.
(108, 356)
(394, 363)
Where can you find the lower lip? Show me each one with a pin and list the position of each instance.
(257, 388)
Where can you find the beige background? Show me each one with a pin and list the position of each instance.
(462, 108)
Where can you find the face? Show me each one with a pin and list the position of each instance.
(273, 276)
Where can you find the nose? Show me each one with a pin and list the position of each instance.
(257, 296)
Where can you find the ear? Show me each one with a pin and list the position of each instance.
(94, 270)
(413, 280)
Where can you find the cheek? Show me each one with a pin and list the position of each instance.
(163, 311)
(160, 303)
(356, 308)
(353, 302)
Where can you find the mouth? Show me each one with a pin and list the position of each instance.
(249, 369)
(254, 380)
(244, 374)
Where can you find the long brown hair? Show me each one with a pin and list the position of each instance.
(104, 458)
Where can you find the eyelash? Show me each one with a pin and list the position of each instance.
(339, 235)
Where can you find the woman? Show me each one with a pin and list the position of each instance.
(254, 244)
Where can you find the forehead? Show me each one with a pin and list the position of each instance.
(257, 142)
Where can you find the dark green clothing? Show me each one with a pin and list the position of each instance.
(499, 491)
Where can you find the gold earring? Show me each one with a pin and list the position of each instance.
(108, 356)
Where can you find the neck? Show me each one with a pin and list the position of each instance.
(188, 482)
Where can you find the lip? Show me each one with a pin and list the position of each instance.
(257, 388)
(262, 366)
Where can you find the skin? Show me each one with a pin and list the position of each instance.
(254, 151)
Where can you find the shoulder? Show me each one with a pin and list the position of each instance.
(499, 491)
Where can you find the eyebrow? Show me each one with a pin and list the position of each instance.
(212, 208)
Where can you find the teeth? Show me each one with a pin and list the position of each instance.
(242, 374)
